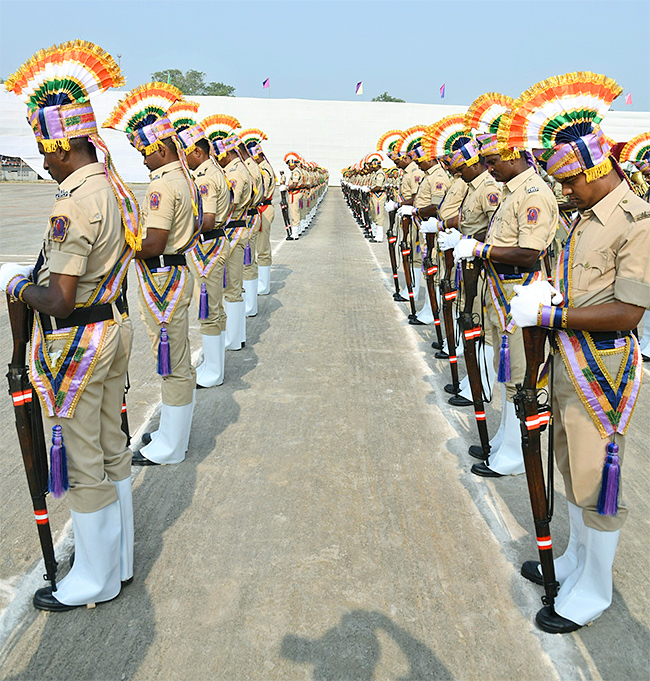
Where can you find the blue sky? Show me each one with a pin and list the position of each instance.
(320, 50)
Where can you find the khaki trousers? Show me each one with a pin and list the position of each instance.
(294, 208)
(250, 271)
(263, 243)
(96, 449)
(177, 389)
(579, 449)
(235, 273)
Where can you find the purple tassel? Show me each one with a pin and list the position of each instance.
(203, 302)
(247, 255)
(608, 497)
(58, 482)
(458, 277)
(503, 375)
(224, 277)
(164, 361)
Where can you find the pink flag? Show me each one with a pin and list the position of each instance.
(628, 98)
(442, 91)
(266, 83)
(359, 90)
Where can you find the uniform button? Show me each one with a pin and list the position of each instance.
(587, 265)
(624, 201)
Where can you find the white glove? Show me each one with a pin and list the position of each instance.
(390, 206)
(524, 307)
(405, 210)
(365, 190)
(283, 187)
(430, 226)
(12, 269)
(449, 239)
(464, 250)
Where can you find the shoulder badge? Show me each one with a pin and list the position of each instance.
(439, 185)
(532, 190)
(203, 189)
(642, 216)
(493, 199)
(62, 194)
(532, 215)
(59, 225)
(154, 200)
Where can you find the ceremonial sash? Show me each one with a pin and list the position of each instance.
(162, 300)
(59, 382)
(205, 255)
(609, 400)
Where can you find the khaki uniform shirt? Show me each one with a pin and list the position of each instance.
(215, 191)
(296, 178)
(241, 185)
(527, 216)
(257, 182)
(432, 187)
(612, 243)
(378, 179)
(453, 199)
(480, 202)
(168, 206)
(410, 180)
(85, 236)
(268, 176)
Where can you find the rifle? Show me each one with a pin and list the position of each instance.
(29, 424)
(406, 262)
(127, 384)
(284, 205)
(470, 333)
(367, 227)
(392, 240)
(533, 418)
(448, 294)
(431, 269)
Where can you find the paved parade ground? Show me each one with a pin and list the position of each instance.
(324, 525)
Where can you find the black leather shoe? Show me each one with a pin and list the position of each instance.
(483, 471)
(44, 600)
(436, 346)
(441, 354)
(460, 401)
(398, 298)
(552, 623)
(373, 241)
(451, 388)
(292, 238)
(530, 570)
(415, 321)
(138, 460)
(477, 452)
(146, 438)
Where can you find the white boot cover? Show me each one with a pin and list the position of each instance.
(210, 372)
(125, 499)
(173, 436)
(644, 341)
(417, 278)
(242, 326)
(378, 232)
(425, 315)
(587, 591)
(568, 561)
(509, 458)
(234, 312)
(95, 575)
(250, 297)
(295, 231)
(263, 280)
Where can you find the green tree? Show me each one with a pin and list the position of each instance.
(385, 97)
(193, 83)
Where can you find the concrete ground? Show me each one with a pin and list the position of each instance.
(325, 524)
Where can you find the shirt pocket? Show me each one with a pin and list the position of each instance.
(592, 270)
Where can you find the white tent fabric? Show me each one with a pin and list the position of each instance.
(334, 134)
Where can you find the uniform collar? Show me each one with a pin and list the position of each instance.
(432, 170)
(479, 180)
(167, 168)
(605, 207)
(518, 180)
(78, 177)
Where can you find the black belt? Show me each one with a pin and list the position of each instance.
(236, 223)
(82, 316)
(515, 269)
(598, 336)
(165, 261)
(266, 202)
(212, 234)
(252, 211)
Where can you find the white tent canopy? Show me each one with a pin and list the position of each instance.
(333, 134)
